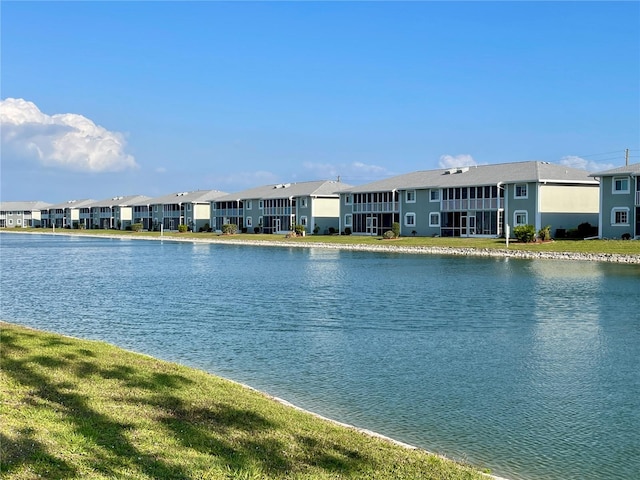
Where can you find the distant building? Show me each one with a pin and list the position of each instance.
(69, 214)
(476, 201)
(115, 212)
(278, 208)
(619, 202)
(22, 214)
(192, 209)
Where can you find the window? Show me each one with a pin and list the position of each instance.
(155, 208)
(249, 221)
(260, 204)
(521, 191)
(303, 221)
(249, 205)
(347, 220)
(620, 185)
(410, 219)
(410, 195)
(303, 202)
(434, 220)
(348, 200)
(620, 216)
(434, 196)
(188, 207)
(259, 221)
(520, 218)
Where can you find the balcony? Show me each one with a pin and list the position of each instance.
(376, 207)
(472, 204)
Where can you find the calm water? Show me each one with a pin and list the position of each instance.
(529, 368)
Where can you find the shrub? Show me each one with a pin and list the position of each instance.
(525, 233)
(316, 229)
(204, 228)
(244, 230)
(347, 230)
(544, 234)
(182, 228)
(299, 229)
(332, 230)
(136, 227)
(389, 235)
(626, 236)
(395, 228)
(586, 230)
(256, 229)
(229, 229)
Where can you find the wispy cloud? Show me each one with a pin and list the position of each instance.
(588, 165)
(244, 180)
(450, 161)
(356, 171)
(68, 141)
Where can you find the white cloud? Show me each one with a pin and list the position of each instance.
(243, 180)
(588, 165)
(450, 161)
(357, 171)
(67, 140)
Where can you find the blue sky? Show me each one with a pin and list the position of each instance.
(119, 98)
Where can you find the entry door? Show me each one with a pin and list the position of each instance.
(276, 225)
(471, 225)
(372, 225)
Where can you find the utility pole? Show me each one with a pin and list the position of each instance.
(626, 157)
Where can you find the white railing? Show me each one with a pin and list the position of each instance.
(384, 207)
(472, 204)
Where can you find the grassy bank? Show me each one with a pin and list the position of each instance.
(619, 247)
(81, 409)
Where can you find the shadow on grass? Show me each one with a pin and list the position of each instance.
(235, 438)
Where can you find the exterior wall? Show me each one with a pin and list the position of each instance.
(515, 205)
(611, 201)
(567, 206)
(325, 213)
(420, 211)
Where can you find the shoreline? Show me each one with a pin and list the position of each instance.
(268, 396)
(417, 250)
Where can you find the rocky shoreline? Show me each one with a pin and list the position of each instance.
(390, 248)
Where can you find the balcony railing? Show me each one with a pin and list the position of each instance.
(277, 211)
(472, 204)
(377, 207)
(228, 212)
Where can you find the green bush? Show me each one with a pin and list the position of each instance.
(525, 233)
(347, 230)
(256, 229)
(299, 229)
(229, 229)
(316, 229)
(395, 228)
(182, 228)
(544, 234)
(136, 227)
(204, 228)
(389, 235)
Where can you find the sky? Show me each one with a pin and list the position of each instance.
(123, 98)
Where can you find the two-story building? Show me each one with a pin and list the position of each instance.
(619, 202)
(476, 201)
(192, 209)
(278, 208)
(22, 214)
(115, 212)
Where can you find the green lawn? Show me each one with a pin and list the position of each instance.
(621, 247)
(81, 409)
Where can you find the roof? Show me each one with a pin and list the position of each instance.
(28, 206)
(480, 175)
(120, 201)
(72, 204)
(197, 196)
(318, 188)
(633, 169)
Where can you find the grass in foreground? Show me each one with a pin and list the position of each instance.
(81, 409)
(620, 247)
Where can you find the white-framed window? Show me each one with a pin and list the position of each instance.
(18, 221)
(348, 220)
(303, 202)
(260, 221)
(620, 185)
(520, 191)
(520, 217)
(434, 196)
(434, 219)
(188, 220)
(348, 200)
(303, 221)
(620, 216)
(155, 208)
(188, 207)
(249, 222)
(410, 219)
(260, 204)
(410, 196)
(10, 221)
(249, 204)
